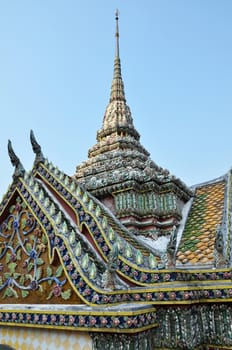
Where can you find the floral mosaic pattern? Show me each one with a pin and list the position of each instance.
(23, 251)
(145, 319)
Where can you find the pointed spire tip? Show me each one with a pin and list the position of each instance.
(117, 35)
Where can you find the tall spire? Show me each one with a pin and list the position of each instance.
(117, 119)
(117, 88)
(117, 35)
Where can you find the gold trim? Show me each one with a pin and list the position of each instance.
(96, 222)
(106, 239)
(81, 312)
(156, 287)
(125, 190)
(55, 190)
(5, 195)
(51, 255)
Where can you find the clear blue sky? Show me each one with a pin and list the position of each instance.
(56, 66)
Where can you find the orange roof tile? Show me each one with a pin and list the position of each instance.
(197, 242)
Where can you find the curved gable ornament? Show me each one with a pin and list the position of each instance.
(39, 158)
(15, 161)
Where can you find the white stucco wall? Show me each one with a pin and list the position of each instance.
(44, 339)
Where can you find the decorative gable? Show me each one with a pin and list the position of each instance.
(30, 272)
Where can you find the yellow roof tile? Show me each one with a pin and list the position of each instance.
(197, 242)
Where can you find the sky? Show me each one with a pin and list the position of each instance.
(56, 68)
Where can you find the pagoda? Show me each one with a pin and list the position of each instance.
(120, 173)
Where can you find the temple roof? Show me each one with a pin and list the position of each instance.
(64, 256)
(67, 262)
(86, 235)
(207, 213)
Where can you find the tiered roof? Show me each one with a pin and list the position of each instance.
(119, 171)
(118, 155)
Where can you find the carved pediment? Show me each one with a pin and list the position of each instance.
(28, 274)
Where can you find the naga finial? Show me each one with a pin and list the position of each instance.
(219, 247)
(15, 161)
(108, 277)
(36, 149)
(168, 258)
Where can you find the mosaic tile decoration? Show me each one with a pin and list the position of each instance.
(186, 292)
(197, 243)
(38, 339)
(60, 242)
(78, 319)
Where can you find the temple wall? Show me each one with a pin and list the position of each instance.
(203, 326)
(44, 339)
